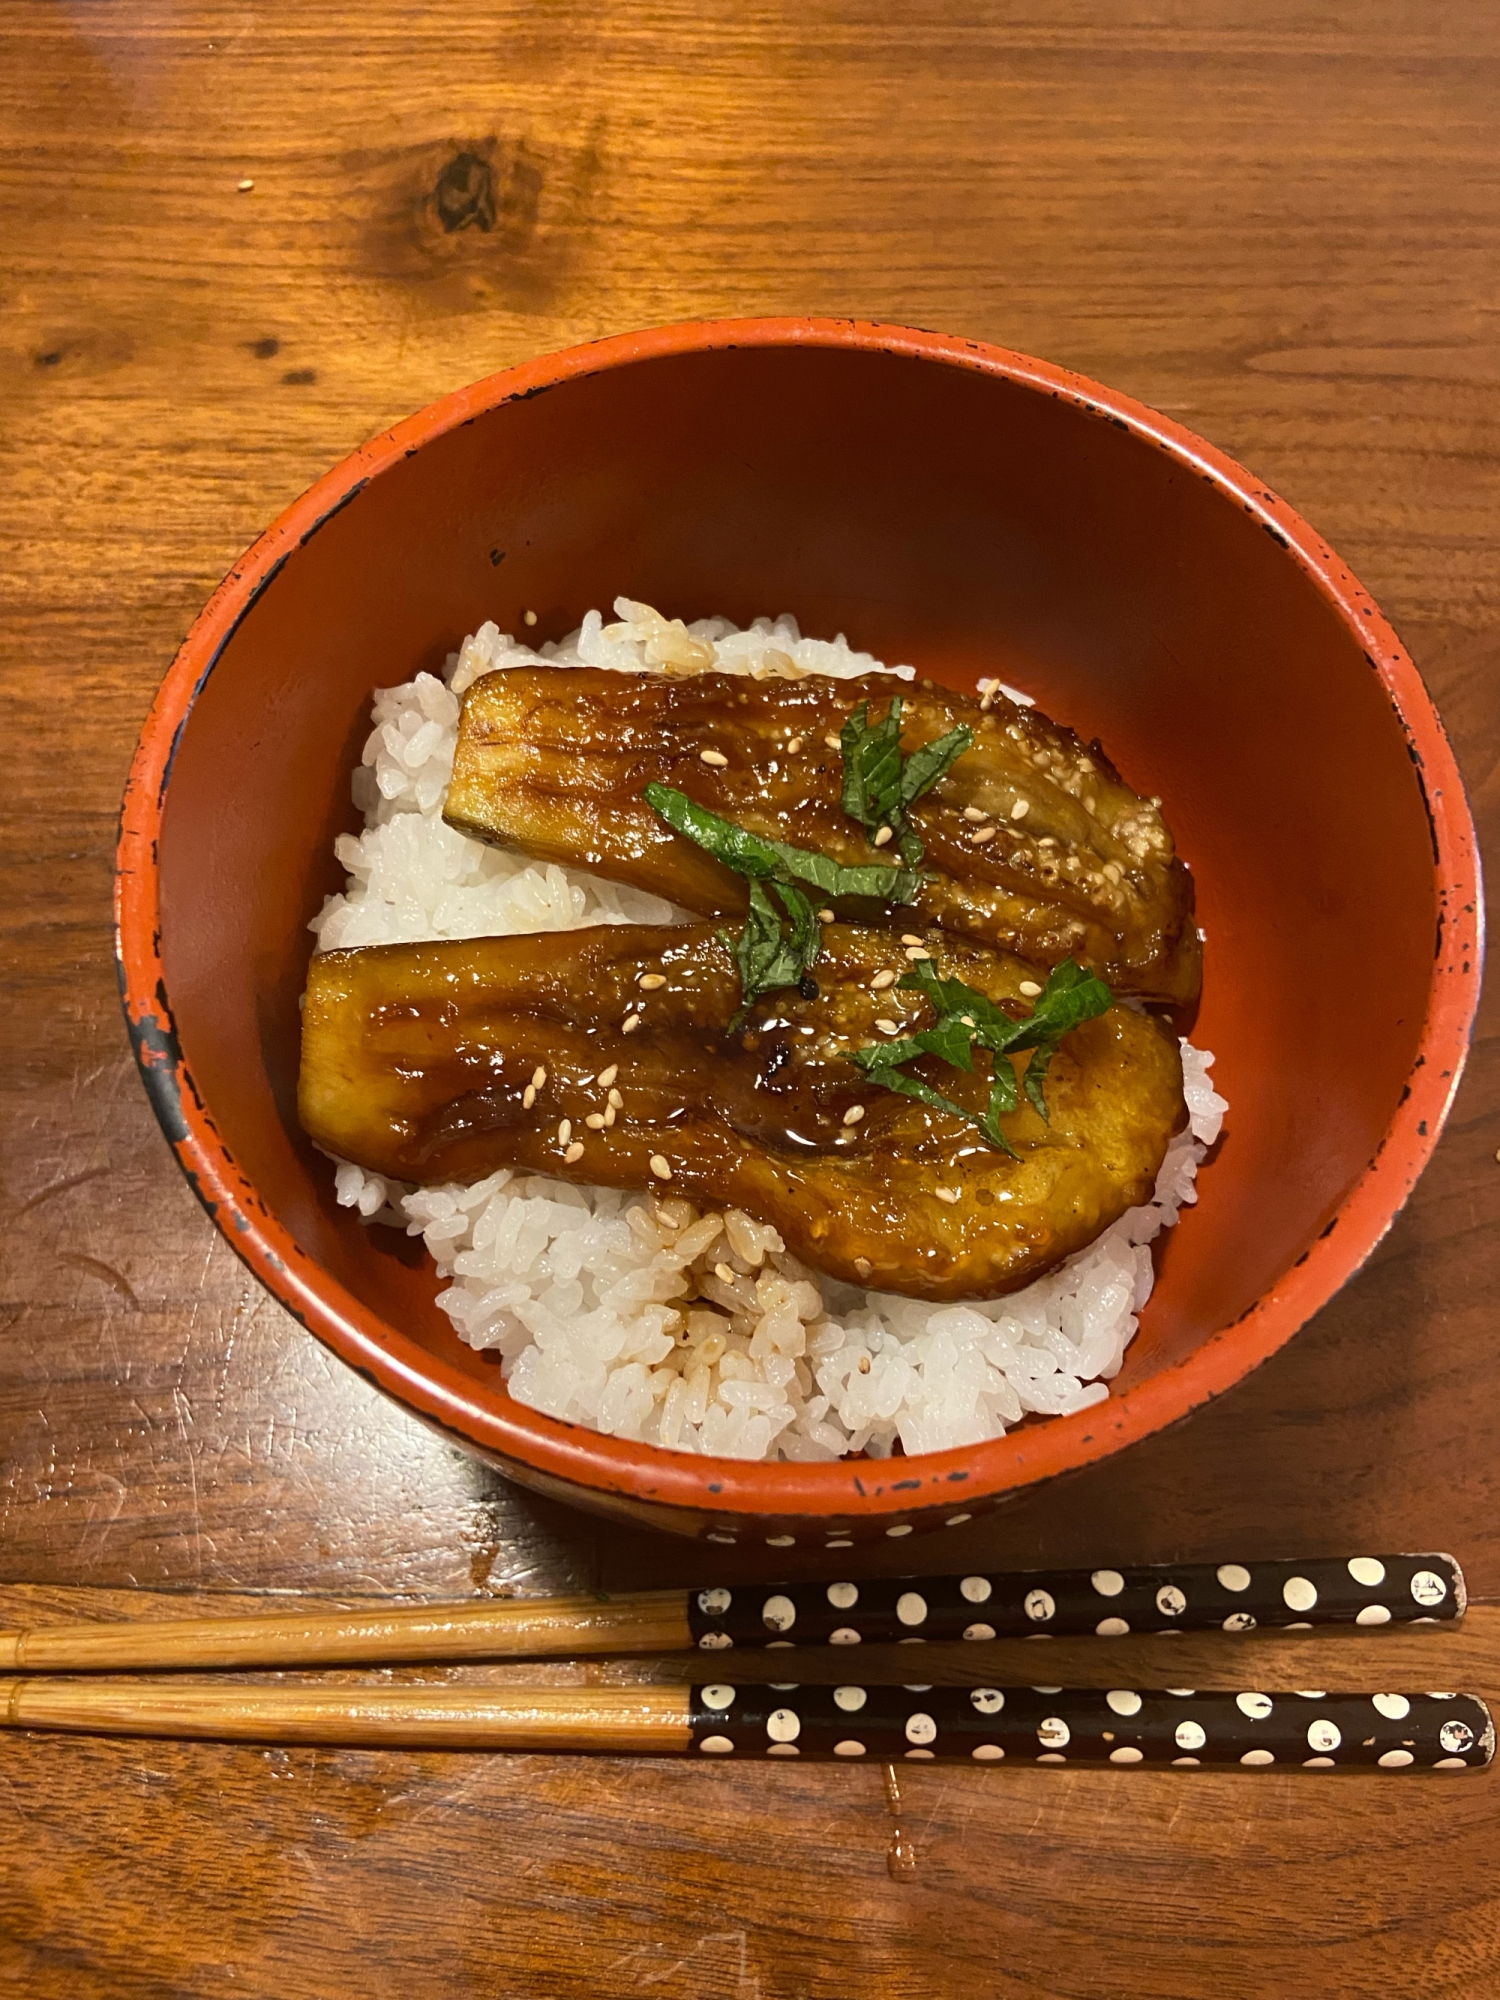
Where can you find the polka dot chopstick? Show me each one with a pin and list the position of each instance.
(981, 1727)
(1361, 1590)
(1182, 1727)
(1171, 1597)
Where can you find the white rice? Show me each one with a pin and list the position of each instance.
(582, 1291)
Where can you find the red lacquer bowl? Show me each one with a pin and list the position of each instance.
(942, 502)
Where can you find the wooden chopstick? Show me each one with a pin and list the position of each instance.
(641, 1622)
(1182, 1728)
(1290, 1594)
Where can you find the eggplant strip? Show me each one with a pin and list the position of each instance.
(442, 1062)
(1033, 843)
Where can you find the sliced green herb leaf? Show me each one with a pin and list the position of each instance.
(767, 958)
(748, 853)
(966, 1017)
(924, 767)
(872, 765)
(879, 785)
(913, 1086)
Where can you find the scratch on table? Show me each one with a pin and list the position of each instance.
(56, 1188)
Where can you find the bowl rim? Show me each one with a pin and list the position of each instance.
(892, 1491)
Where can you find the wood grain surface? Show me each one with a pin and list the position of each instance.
(1279, 224)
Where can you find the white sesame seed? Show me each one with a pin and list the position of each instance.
(982, 835)
(948, 1194)
(609, 1114)
(616, 1100)
(1020, 809)
(793, 745)
(714, 757)
(529, 617)
(883, 836)
(574, 1152)
(910, 937)
(825, 916)
(975, 813)
(1113, 870)
(833, 743)
(607, 1076)
(629, 1025)
(538, 1076)
(245, 186)
(916, 951)
(564, 1131)
(1088, 805)
(528, 1096)
(888, 1027)
(661, 1167)
(864, 1267)
(650, 981)
(881, 980)
(725, 1272)
(853, 1115)
(595, 1121)
(1030, 988)
(968, 1020)
(1085, 763)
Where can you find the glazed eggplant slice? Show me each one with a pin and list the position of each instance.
(1031, 843)
(622, 1055)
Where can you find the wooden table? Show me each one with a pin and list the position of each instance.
(237, 242)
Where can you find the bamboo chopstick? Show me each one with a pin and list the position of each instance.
(984, 1726)
(1365, 1591)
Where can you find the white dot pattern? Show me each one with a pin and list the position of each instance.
(1233, 1597)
